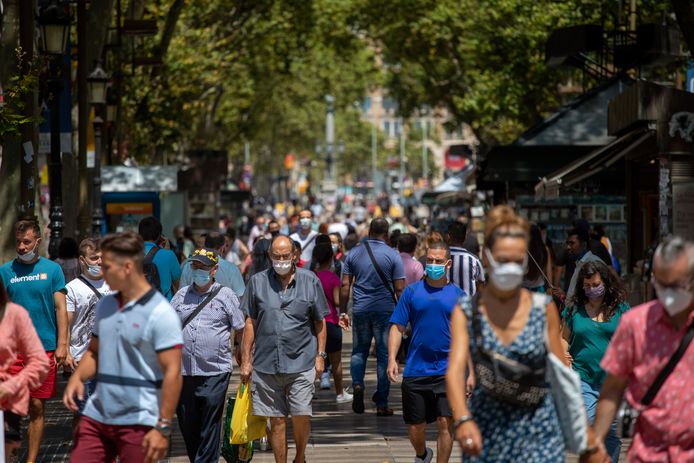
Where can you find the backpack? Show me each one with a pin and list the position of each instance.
(151, 270)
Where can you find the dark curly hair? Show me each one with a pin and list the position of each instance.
(615, 294)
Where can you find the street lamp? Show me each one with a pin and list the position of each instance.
(54, 22)
(97, 80)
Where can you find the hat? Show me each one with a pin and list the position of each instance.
(205, 256)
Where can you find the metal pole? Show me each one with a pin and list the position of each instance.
(374, 147)
(330, 134)
(96, 194)
(55, 177)
(246, 154)
(402, 164)
(425, 152)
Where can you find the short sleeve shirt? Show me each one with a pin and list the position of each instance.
(168, 267)
(640, 348)
(370, 295)
(285, 341)
(227, 275)
(32, 286)
(129, 377)
(207, 338)
(588, 341)
(81, 301)
(428, 310)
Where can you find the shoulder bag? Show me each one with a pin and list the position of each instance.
(503, 378)
(381, 275)
(200, 306)
(90, 286)
(629, 416)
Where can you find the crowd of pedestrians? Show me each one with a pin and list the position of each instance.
(151, 329)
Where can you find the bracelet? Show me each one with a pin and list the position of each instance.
(460, 421)
(343, 314)
(165, 420)
(590, 451)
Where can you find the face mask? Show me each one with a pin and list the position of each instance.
(282, 267)
(94, 270)
(29, 256)
(335, 248)
(505, 277)
(305, 223)
(274, 233)
(201, 277)
(435, 271)
(595, 292)
(674, 300)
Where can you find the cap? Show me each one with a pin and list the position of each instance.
(205, 256)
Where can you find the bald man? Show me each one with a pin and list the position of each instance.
(306, 236)
(284, 345)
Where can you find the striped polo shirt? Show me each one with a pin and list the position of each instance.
(466, 270)
(129, 377)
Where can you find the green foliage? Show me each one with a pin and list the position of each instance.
(13, 108)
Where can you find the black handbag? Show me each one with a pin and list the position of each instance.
(503, 378)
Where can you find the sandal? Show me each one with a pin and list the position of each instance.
(384, 412)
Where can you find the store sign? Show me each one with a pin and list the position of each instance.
(129, 208)
(683, 209)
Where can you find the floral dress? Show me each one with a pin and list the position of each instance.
(513, 433)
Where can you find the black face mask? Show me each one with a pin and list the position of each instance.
(275, 233)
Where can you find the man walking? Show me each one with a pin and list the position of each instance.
(227, 274)
(306, 237)
(427, 306)
(209, 312)
(38, 285)
(647, 338)
(83, 293)
(466, 269)
(165, 260)
(376, 273)
(135, 355)
(407, 243)
(284, 345)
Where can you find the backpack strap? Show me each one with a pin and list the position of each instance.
(90, 286)
(149, 258)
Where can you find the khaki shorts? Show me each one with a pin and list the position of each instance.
(283, 394)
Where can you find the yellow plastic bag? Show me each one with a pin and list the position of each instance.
(244, 426)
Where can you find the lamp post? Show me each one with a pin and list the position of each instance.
(54, 23)
(97, 82)
(111, 115)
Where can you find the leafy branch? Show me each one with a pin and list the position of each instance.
(13, 107)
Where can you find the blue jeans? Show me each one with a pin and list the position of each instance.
(367, 325)
(590, 397)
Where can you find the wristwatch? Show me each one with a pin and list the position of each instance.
(164, 429)
(463, 419)
(323, 355)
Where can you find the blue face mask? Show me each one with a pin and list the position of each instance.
(201, 277)
(435, 271)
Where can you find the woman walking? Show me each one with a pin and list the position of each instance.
(589, 321)
(322, 260)
(506, 326)
(19, 340)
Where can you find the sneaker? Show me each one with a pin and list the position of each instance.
(427, 458)
(344, 397)
(325, 380)
(358, 400)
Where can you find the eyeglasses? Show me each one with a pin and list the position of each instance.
(674, 286)
(281, 256)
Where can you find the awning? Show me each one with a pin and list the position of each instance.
(457, 182)
(593, 163)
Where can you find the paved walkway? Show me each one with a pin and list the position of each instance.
(338, 434)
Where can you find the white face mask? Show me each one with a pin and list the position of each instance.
(305, 223)
(29, 256)
(94, 270)
(335, 248)
(674, 300)
(507, 276)
(282, 267)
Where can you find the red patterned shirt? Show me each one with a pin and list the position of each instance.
(642, 345)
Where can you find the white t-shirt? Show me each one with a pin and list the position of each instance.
(307, 244)
(82, 301)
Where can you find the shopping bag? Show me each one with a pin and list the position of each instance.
(244, 426)
(234, 453)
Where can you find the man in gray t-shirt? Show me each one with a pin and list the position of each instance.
(374, 302)
(285, 336)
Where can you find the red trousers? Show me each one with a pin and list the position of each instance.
(98, 442)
